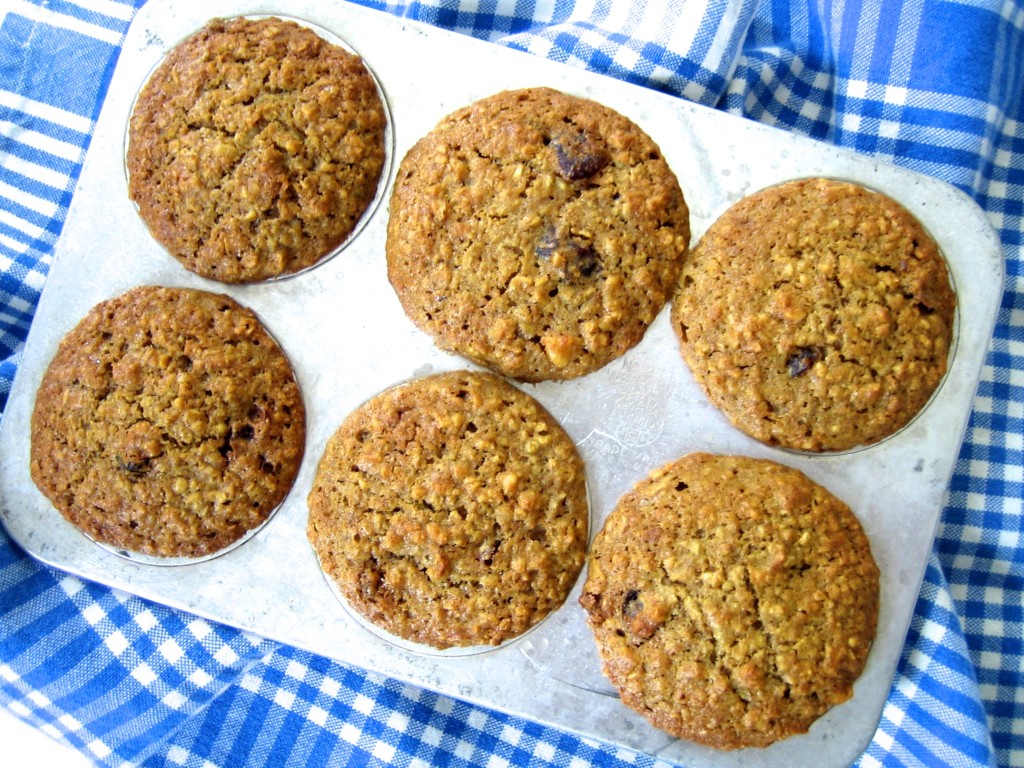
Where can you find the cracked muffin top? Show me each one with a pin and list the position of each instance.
(451, 511)
(536, 233)
(733, 600)
(817, 315)
(255, 148)
(169, 423)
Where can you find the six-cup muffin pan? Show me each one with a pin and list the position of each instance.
(348, 339)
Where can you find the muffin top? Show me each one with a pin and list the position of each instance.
(817, 315)
(733, 600)
(169, 423)
(451, 511)
(255, 148)
(536, 233)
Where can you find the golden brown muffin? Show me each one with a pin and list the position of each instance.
(169, 423)
(732, 599)
(254, 149)
(817, 315)
(451, 511)
(536, 233)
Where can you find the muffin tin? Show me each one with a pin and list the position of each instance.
(347, 337)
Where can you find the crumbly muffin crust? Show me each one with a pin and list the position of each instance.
(451, 511)
(169, 423)
(733, 600)
(817, 315)
(255, 148)
(536, 233)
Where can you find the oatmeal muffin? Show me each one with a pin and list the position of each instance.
(168, 424)
(817, 315)
(732, 599)
(536, 233)
(451, 511)
(255, 148)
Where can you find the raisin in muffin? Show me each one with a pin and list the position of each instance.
(536, 233)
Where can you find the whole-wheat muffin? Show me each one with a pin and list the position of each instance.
(536, 233)
(732, 599)
(254, 149)
(817, 315)
(451, 511)
(169, 423)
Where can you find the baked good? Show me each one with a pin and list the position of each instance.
(732, 599)
(817, 315)
(451, 511)
(169, 423)
(536, 233)
(254, 149)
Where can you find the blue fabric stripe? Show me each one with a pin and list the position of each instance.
(59, 195)
(39, 157)
(42, 50)
(78, 12)
(44, 127)
(32, 219)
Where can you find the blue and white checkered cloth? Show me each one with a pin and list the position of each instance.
(933, 85)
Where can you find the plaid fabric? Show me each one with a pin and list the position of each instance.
(933, 85)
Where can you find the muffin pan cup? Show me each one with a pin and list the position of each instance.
(344, 331)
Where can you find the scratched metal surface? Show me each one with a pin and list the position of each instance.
(348, 339)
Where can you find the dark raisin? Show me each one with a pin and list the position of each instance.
(579, 155)
(631, 605)
(801, 361)
(134, 467)
(570, 259)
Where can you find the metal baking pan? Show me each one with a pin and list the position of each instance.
(344, 330)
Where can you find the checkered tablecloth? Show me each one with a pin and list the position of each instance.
(933, 85)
